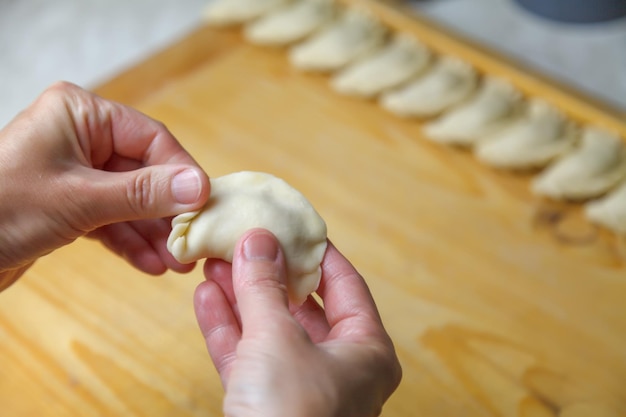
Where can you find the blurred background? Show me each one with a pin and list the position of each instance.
(89, 41)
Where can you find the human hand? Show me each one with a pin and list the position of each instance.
(296, 361)
(75, 164)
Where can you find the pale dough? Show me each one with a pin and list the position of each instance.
(291, 23)
(591, 170)
(403, 58)
(446, 84)
(231, 12)
(533, 141)
(494, 105)
(353, 35)
(247, 200)
(609, 211)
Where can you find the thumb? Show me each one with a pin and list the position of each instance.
(150, 192)
(259, 281)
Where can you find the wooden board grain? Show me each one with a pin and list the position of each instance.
(499, 304)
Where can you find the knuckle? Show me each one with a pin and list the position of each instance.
(223, 363)
(61, 87)
(159, 125)
(140, 193)
(391, 367)
(58, 91)
(263, 281)
(396, 372)
(76, 212)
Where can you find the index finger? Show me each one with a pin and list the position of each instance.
(107, 128)
(152, 143)
(349, 305)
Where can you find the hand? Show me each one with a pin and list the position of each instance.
(74, 164)
(281, 360)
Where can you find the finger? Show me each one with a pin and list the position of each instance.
(169, 183)
(310, 314)
(312, 318)
(180, 191)
(105, 128)
(221, 272)
(156, 231)
(100, 197)
(126, 242)
(152, 143)
(259, 282)
(218, 325)
(353, 315)
(349, 305)
(117, 163)
(138, 242)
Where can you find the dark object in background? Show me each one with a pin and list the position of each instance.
(577, 11)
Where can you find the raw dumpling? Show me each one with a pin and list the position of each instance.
(352, 36)
(532, 141)
(449, 82)
(494, 105)
(291, 23)
(590, 171)
(395, 64)
(610, 211)
(231, 12)
(246, 200)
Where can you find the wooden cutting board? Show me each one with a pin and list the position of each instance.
(500, 304)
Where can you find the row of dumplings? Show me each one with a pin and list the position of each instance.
(462, 108)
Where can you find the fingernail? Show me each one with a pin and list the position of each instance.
(260, 247)
(186, 186)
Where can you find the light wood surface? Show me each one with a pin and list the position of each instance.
(499, 304)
